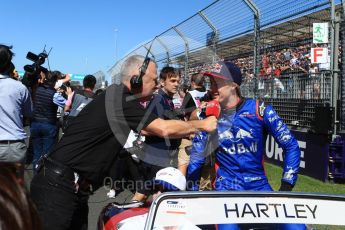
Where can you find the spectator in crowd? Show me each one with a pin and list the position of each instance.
(183, 89)
(191, 102)
(15, 104)
(16, 208)
(44, 128)
(61, 79)
(160, 152)
(315, 90)
(91, 144)
(242, 130)
(192, 99)
(78, 99)
(62, 86)
(14, 73)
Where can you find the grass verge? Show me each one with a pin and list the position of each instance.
(304, 183)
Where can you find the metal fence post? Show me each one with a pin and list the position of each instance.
(334, 64)
(257, 57)
(186, 50)
(215, 31)
(343, 66)
(166, 49)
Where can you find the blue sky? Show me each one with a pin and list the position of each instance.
(82, 32)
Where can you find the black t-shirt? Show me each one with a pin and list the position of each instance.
(163, 107)
(94, 138)
(188, 104)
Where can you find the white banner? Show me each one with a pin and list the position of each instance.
(220, 210)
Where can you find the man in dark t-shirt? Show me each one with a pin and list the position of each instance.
(191, 102)
(91, 143)
(192, 99)
(159, 152)
(90, 138)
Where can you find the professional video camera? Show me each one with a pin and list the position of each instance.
(36, 67)
(32, 72)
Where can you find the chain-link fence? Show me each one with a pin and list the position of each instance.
(270, 41)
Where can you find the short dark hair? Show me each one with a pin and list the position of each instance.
(5, 58)
(168, 72)
(58, 74)
(50, 78)
(11, 68)
(89, 81)
(198, 79)
(184, 88)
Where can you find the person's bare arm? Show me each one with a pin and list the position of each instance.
(212, 108)
(68, 104)
(66, 79)
(194, 115)
(179, 129)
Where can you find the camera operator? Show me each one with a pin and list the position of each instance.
(34, 73)
(63, 87)
(44, 127)
(15, 104)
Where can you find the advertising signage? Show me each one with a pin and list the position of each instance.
(314, 151)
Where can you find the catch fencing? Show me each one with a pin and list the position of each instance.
(271, 41)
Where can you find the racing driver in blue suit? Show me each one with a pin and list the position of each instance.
(239, 143)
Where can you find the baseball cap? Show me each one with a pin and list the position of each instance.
(227, 71)
(171, 179)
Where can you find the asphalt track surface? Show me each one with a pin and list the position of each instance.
(96, 202)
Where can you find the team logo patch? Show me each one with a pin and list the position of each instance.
(236, 134)
(262, 109)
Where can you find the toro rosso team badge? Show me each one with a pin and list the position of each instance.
(236, 134)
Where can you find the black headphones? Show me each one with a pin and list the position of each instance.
(137, 80)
